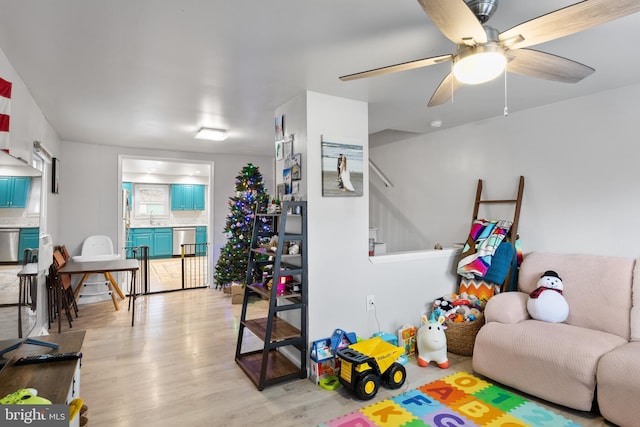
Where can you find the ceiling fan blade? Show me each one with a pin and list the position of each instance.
(456, 21)
(544, 65)
(398, 67)
(569, 20)
(445, 91)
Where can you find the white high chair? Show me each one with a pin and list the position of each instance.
(97, 248)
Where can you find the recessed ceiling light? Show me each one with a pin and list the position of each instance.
(212, 134)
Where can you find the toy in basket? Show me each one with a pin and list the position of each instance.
(464, 318)
(461, 336)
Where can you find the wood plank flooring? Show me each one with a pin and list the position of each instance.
(176, 368)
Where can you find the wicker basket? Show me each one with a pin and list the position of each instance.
(461, 336)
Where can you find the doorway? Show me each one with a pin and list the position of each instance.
(160, 196)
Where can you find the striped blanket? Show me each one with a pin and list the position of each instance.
(483, 240)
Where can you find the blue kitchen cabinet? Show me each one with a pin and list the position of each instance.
(201, 234)
(14, 191)
(159, 241)
(187, 197)
(162, 243)
(29, 238)
(201, 238)
(142, 237)
(129, 242)
(177, 197)
(198, 197)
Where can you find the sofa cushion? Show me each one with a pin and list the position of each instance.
(635, 309)
(554, 361)
(507, 307)
(597, 288)
(619, 385)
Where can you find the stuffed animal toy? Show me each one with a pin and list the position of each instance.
(445, 306)
(546, 302)
(432, 343)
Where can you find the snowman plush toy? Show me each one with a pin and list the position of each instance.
(546, 302)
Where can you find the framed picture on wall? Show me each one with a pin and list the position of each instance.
(342, 168)
(279, 150)
(286, 149)
(280, 191)
(279, 127)
(296, 172)
(286, 178)
(55, 175)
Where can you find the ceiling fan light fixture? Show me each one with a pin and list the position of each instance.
(212, 134)
(480, 64)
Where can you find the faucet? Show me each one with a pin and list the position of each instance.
(152, 219)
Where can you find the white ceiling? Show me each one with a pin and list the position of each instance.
(149, 73)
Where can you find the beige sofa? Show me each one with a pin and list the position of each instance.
(599, 344)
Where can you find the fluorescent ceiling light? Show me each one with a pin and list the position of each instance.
(211, 134)
(479, 65)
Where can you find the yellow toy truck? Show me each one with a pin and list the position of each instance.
(365, 364)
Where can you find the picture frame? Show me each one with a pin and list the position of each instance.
(279, 127)
(286, 179)
(286, 149)
(55, 175)
(279, 150)
(280, 191)
(296, 167)
(338, 181)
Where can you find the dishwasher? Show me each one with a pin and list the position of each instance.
(183, 236)
(9, 241)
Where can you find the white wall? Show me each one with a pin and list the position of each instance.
(28, 124)
(580, 160)
(340, 272)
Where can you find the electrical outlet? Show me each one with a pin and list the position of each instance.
(371, 304)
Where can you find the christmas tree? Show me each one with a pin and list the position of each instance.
(234, 256)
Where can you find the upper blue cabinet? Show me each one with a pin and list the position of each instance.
(187, 197)
(14, 191)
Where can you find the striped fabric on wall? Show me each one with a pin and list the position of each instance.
(5, 103)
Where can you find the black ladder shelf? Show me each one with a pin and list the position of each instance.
(269, 365)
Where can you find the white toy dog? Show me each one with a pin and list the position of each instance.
(432, 343)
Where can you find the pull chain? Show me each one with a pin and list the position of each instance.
(506, 107)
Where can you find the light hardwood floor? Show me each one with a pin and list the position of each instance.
(176, 368)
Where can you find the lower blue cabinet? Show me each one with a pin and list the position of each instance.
(29, 238)
(159, 240)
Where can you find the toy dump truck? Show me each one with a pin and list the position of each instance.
(367, 363)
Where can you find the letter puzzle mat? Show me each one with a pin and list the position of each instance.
(460, 399)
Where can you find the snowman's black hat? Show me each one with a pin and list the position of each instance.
(551, 273)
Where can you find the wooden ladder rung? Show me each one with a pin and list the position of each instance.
(498, 201)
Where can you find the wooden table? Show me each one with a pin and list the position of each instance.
(53, 380)
(101, 267)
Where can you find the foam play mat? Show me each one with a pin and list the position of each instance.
(460, 399)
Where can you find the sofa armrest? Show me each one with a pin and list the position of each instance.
(508, 307)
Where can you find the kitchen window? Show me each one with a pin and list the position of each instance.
(151, 200)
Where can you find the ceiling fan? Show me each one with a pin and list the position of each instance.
(483, 53)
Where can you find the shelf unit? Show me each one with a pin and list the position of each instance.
(269, 364)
